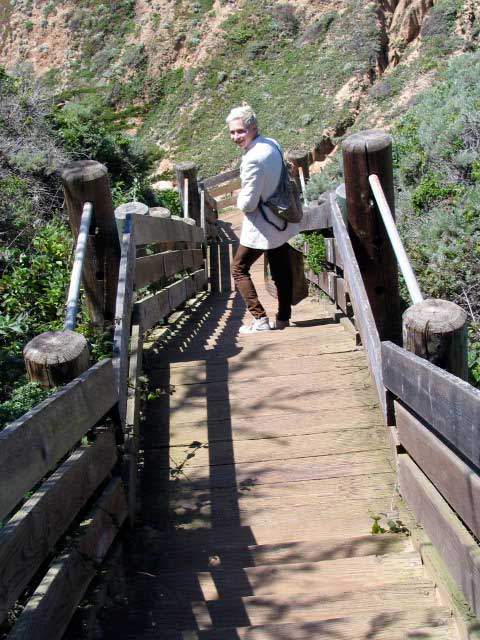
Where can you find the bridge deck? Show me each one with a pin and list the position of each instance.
(265, 458)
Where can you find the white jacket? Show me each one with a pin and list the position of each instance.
(260, 173)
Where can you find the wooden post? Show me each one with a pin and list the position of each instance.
(87, 181)
(188, 171)
(299, 158)
(54, 358)
(436, 330)
(365, 153)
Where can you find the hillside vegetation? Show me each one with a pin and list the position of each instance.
(141, 84)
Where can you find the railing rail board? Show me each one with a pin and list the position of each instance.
(31, 534)
(458, 483)
(32, 445)
(457, 547)
(49, 610)
(229, 187)
(209, 183)
(361, 305)
(149, 230)
(447, 403)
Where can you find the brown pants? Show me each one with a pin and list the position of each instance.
(279, 262)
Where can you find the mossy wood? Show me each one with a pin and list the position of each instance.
(447, 403)
(87, 181)
(55, 358)
(49, 610)
(30, 536)
(458, 483)
(32, 445)
(365, 153)
(457, 547)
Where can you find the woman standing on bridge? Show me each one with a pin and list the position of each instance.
(260, 172)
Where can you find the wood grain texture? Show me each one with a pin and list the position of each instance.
(454, 543)
(361, 307)
(29, 537)
(458, 483)
(150, 230)
(123, 311)
(221, 177)
(149, 269)
(447, 403)
(133, 418)
(229, 187)
(33, 444)
(316, 216)
(53, 603)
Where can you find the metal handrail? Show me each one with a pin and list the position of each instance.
(397, 245)
(80, 250)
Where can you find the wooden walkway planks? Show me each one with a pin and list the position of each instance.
(264, 460)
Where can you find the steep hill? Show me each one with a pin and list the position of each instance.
(307, 67)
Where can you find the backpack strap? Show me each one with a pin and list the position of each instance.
(264, 216)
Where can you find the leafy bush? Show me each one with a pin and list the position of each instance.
(25, 396)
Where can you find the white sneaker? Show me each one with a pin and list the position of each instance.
(259, 324)
(279, 324)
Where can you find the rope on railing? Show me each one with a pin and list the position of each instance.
(80, 250)
(397, 245)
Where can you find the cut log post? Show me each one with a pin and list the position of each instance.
(299, 158)
(436, 330)
(365, 153)
(55, 358)
(188, 171)
(87, 181)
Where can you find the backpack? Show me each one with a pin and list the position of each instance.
(285, 200)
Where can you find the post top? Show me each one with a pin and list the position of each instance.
(188, 165)
(370, 140)
(83, 171)
(437, 314)
(297, 154)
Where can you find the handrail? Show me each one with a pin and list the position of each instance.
(397, 245)
(80, 250)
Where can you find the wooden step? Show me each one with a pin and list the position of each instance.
(287, 608)
(334, 576)
(271, 425)
(433, 623)
(154, 552)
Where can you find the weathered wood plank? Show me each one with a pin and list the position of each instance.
(123, 312)
(33, 444)
(28, 538)
(227, 202)
(133, 418)
(154, 308)
(149, 230)
(333, 256)
(447, 403)
(455, 545)
(149, 269)
(197, 257)
(361, 306)
(316, 217)
(151, 309)
(229, 187)
(49, 610)
(458, 483)
(173, 262)
(221, 177)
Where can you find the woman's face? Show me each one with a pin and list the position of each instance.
(240, 134)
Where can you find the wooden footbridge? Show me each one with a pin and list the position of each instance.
(251, 483)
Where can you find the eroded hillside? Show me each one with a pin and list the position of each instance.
(307, 67)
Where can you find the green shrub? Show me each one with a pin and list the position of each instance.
(25, 396)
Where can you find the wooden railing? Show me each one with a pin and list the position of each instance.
(52, 461)
(432, 416)
(182, 275)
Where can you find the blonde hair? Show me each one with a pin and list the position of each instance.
(244, 113)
